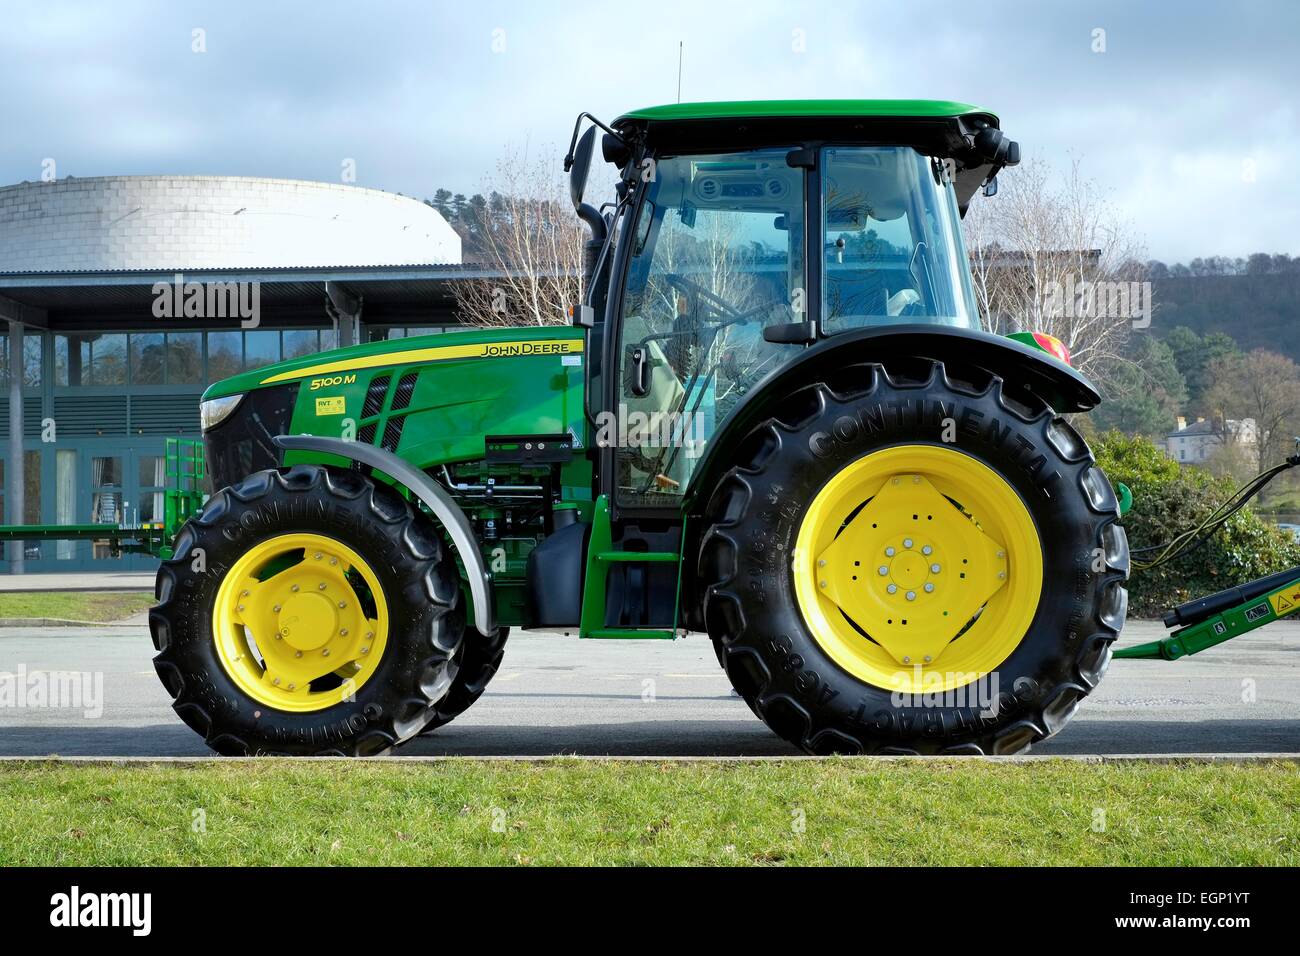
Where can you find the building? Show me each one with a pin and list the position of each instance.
(104, 359)
(1196, 443)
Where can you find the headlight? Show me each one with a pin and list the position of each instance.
(216, 410)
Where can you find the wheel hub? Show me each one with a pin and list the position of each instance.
(911, 531)
(288, 615)
(916, 562)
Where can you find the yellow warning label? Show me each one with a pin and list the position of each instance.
(1285, 601)
(333, 405)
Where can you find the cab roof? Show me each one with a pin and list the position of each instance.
(773, 109)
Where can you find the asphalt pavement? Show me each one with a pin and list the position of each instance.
(558, 695)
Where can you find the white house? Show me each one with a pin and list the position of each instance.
(1196, 443)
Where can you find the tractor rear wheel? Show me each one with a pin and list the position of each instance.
(923, 559)
(476, 664)
(307, 611)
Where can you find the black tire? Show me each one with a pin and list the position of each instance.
(476, 663)
(749, 606)
(420, 583)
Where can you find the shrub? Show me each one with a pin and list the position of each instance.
(1169, 498)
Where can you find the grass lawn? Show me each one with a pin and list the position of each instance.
(612, 812)
(97, 606)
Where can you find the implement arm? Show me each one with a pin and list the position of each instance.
(1220, 617)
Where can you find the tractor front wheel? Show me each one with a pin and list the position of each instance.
(307, 611)
(919, 559)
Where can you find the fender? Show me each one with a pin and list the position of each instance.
(433, 495)
(1064, 389)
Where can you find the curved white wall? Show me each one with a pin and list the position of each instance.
(214, 222)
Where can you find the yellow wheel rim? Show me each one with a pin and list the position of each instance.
(300, 622)
(918, 569)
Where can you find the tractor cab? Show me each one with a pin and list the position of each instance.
(744, 233)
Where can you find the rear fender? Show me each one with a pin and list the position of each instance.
(1064, 389)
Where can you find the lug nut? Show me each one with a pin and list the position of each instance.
(276, 609)
(1002, 554)
(293, 686)
(365, 650)
(297, 653)
(911, 595)
(1002, 574)
(321, 586)
(907, 542)
(243, 593)
(241, 607)
(342, 604)
(293, 587)
(934, 568)
(883, 570)
(822, 583)
(907, 660)
(343, 632)
(276, 682)
(369, 634)
(928, 658)
(316, 555)
(821, 563)
(325, 653)
(928, 587)
(927, 549)
(889, 552)
(334, 560)
(892, 589)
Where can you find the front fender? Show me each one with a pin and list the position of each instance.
(1064, 389)
(433, 495)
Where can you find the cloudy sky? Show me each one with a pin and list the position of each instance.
(1186, 118)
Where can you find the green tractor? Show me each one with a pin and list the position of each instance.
(773, 418)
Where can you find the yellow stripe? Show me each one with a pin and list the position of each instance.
(437, 353)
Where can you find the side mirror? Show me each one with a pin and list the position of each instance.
(581, 167)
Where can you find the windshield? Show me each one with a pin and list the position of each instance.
(892, 242)
(716, 256)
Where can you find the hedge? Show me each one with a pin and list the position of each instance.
(1169, 498)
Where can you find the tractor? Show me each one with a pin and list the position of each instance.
(772, 418)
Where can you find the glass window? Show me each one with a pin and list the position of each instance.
(892, 244)
(719, 256)
(68, 364)
(261, 348)
(184, 358)
(65, 499)
(300, 342)
(152, 480)
(31, 358)
(148, 358)
(225, 355)
(107, 359)
(106, 504)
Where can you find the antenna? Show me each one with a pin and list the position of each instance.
(679, 71)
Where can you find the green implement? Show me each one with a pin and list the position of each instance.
(182, 499)
(1220, 617)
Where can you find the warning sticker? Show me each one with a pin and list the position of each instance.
(1286, 600)
(331, 405)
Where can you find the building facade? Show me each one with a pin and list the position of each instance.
(1196, 442)
(105, 358)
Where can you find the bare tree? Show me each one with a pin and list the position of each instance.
(1263, 386)
(532, 237)
(1049, 258)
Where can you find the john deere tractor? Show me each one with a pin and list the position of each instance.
(772, 417)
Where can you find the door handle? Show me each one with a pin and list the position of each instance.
(640, 371)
